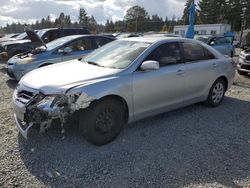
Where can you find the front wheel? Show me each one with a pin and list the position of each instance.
(216, 93)
(102, 121)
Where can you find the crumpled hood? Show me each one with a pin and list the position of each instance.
(60, 77)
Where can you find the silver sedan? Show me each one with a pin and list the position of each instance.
(126, 80)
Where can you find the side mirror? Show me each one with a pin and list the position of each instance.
(150, 65)
(212, 43)
(67, 50)
(46, 40)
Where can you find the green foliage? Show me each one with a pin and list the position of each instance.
(135, 19)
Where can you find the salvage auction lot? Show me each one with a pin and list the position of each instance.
(193, 146)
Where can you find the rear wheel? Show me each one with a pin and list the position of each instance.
(216, 93)
(102, 121)
(241, 72)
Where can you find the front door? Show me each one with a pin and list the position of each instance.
(155, 90)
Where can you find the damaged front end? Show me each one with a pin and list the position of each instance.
(34, 109)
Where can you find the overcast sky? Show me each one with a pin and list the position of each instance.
(27, 11)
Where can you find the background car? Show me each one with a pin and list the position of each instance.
(123, 81)
(59, 50)
(223, 44)
(18, 45)
(243, 64)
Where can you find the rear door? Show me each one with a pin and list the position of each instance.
(80, 47)
(157, 89)
(200, 70)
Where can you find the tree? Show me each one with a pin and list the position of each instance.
(212, 11)
(185, 17)
(93, 24)
(83, 18)
(135, 19)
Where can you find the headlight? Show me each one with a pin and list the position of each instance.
(59, 100)
(50, 101)
(24, 61)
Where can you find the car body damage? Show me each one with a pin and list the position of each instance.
(119, 83)
(41, 110)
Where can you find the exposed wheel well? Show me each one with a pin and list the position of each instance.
(224, 78)
(45, 64)
(120, 99)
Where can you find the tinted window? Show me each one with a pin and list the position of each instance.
(70, 32)
(100, 41)
(83, 31)
(80, 45)
(51, 35)
(166, 54)
(208, 54)
(221, 41)
(193, 52)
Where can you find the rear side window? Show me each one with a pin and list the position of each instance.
(208, 54)
(196, 52)
(166, 54)
(100, 41)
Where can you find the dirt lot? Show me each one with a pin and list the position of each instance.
(191, 147)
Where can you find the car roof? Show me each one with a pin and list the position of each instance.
(158, 39)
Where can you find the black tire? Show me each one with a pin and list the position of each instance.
(241, 72)
(101, 122)
(214, 99)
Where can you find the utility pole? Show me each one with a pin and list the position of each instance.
(243, 24)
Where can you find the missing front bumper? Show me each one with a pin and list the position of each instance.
(19, 124)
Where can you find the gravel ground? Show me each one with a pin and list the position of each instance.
(192, 147)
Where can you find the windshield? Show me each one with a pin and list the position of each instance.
(118, 54)
(40, 33)
(21, 36)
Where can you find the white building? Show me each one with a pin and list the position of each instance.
(206, 29)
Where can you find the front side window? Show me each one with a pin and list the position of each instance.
(80, 45)
(221, 41)
(166, 54)
(196, 52)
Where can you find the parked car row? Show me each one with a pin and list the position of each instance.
(120, 82)
(244, 62)
(59, 50)
(26, 41)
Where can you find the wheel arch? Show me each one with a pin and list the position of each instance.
(43, 64)
(120, 99)
(224, 78)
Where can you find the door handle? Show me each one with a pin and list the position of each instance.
(180, 72)
(214, 65)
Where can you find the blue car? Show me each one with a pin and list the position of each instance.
(224, 44)
(59, 50)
